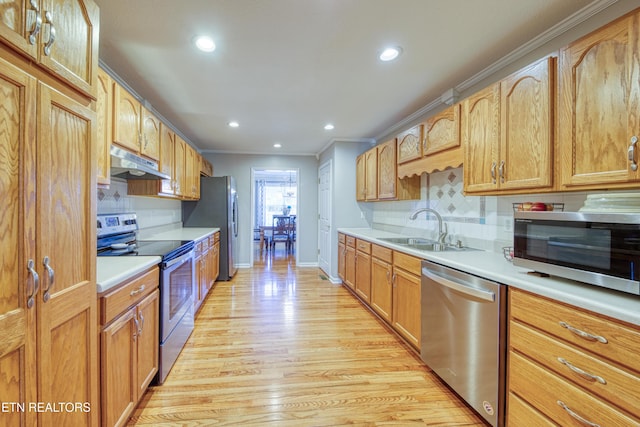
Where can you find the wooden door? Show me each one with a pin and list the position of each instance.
(442, 131)
(118, 368)
(148, 312)
(387, 170)
(598, 103)
(150, 142)
(189, 161)
(371, 174)
(18, 350)
(406, 305)
(103, 124)
(66, 259)
(18, 25)
(73, 52)
(167, 153)
(350, 267)
(126, 119)
(363, 275)
(410, 144)
(381, 288)
(481, 139)
(526, 148)
(179, 166)
(360, 178)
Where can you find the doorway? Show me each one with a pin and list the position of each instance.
(274, 200)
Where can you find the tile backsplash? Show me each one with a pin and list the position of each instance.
(152, 212)
(484, 222)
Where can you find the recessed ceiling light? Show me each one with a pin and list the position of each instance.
(205, 43)
(328, 126)
(390, 53)
(277, 145)
(234, 124)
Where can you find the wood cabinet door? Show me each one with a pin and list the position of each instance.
(179, 166)
(387, 170)
(72, 52)
(167, 153)
(406, 305)
(350, 267)
(442, 131)
(104, 99)
(363, 275)
(481, 139)
(216, 260)
(341, 260)
(18, 352)
(371, 174)
(526, 148)
(360, 178)
(150, 142)
(67, 303)
(18, 23)
(410, 144)
(599, 94)
(147, 346)
(126, 119)
(118, 370)
(381, 288)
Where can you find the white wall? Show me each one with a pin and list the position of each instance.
(240, 166)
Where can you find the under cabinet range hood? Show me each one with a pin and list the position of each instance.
(127, 165)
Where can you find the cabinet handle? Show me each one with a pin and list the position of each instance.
(137, 291)
(576, 416)
(493, 172)
(46, 296)
(33, 36)
(582, 373)
(137, 332)
(501, 171)
(52, 33)
(631, 153)
(141, 324)
(393, 279)
(35, 283)
(583, 334)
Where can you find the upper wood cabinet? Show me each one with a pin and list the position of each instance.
(60, 35)
(150, 134)
(206, 168)
(360, 178)
(508, 132)
(104, 102)
(179, 170)
(439, 147)
(410, 144)
(387, 170)
(371, 174)
(599, 97)
(126, 119)
(167, 159)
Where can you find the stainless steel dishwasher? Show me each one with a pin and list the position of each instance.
(463, 336)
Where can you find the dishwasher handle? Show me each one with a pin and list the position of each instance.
(460, 287)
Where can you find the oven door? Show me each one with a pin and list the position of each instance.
(176, 292)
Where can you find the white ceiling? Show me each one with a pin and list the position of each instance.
(284, 68)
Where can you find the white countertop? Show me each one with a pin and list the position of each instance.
(112, 271)
(494, 266)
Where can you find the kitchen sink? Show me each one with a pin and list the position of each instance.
(407, 240)
(438, 247)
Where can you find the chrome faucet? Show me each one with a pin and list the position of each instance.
(442, 226)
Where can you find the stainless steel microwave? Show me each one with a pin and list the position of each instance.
(601, 249)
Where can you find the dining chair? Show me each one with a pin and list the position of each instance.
(281, 231)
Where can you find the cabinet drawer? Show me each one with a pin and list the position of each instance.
(363, 246)
(622, 341)
(382, 253)
(546, 392)
(124, 297)
(216, 236)
(341, 238)
(613, 384)
(212, 240)
(205, 244)
(351, 241)
(407, 262)
(520, 413)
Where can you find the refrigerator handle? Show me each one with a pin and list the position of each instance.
(235, 215)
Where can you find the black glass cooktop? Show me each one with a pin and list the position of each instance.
(167, 249)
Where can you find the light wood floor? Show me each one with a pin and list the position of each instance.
(281, 346)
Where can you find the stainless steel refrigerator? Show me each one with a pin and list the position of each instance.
(217, 207)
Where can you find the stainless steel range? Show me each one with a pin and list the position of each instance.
(117, 236)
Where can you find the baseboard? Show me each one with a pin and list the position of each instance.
(307, 265)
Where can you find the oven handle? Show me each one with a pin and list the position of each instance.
(460, 287)
(180, 260)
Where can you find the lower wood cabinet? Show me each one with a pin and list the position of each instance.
(570, 366)
(363, 269)
(341, 256)
(129, 345)
(406, 297)
(350, 262)
(381, 281)
(207, 267)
